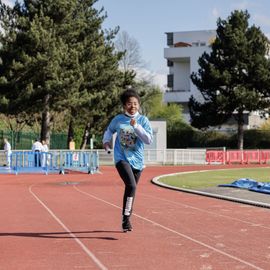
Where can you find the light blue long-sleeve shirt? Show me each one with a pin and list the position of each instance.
(130, 140)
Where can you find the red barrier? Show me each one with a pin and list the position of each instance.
(215, 156)
(265, 156)
(238, 156)
(252, 156)
(234, 156)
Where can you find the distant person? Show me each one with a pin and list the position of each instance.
(37, 148)
(8, 152)
(45, 156)
(72, 144)
(45, 144)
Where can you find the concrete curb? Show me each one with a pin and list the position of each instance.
(156, 181)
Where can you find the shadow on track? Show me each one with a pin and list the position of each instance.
(61, 235)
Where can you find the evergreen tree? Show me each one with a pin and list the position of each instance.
(55, 57)
(32, 59)
(234, 78)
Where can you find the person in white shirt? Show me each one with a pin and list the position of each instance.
(8, 152)
(45, 156)
(37, 147)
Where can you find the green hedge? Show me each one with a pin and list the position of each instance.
(177, 137)
(191, 138)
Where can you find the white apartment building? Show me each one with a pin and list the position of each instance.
(182, 54)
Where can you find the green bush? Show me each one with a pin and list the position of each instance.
(180, 136)
(256, 139)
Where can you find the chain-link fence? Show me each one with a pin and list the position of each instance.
(24, 140)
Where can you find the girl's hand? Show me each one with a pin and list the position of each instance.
(133, 122)
(106, 146)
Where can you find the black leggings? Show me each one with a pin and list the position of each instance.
(131, 178)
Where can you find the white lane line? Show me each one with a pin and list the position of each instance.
(85, 249)
(206, 211)
(175, 232)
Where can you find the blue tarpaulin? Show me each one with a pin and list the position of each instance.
(262, 187)
(249, 184)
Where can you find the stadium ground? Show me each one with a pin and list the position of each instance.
(72, 221)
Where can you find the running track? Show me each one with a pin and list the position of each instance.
(73, 222)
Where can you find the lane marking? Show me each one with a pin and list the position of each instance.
(84, 248)
(205, 211)
(173, 231)
(202, 210)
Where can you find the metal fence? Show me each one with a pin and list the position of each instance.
(152, 156)
(83, 158)
(24, 140)
(28, 161)
(76, 160)
(52, 162)
(175, 156)
(161, 156)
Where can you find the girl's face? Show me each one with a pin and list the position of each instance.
(132, 105)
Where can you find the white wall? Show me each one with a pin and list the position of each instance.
(181, 73)
(160, 135)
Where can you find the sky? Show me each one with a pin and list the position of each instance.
(147, 21)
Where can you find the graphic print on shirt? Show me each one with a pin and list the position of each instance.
(127, 137)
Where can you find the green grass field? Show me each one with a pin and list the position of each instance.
(214, 178)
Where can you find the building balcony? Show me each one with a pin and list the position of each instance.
(177, 96)
(178, 53)
(184, 54)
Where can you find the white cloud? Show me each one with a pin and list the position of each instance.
(8, 2)
(156, 78)
(160, 79)
(215, 13)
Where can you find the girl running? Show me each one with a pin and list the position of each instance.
(133, 131)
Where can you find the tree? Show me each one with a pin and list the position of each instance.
(153, 107)
(55, 58)
(34, 59)
(234, 78)
(131, 51)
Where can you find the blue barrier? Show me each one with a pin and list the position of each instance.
(77, 161)
(28, 161)
(33, 162)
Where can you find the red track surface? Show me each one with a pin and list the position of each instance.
(47, 224)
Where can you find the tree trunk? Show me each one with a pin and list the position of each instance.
(86, 134)
(46, 120)
(240, 135)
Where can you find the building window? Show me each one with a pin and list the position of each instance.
(169, 63)
(169, 39)
(195, 44)
(170, 80)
